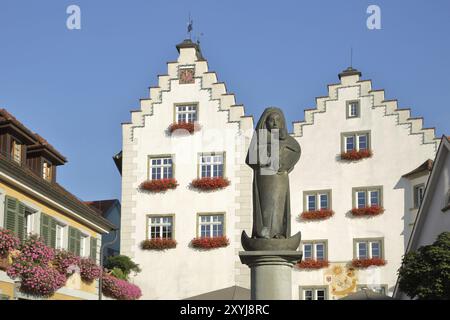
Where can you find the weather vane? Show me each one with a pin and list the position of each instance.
(190, 27)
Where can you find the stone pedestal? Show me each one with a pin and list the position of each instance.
(271, 273)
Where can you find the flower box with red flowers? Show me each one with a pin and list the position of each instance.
(159, 185)
(365, 263)
(158, 244)
(207, 184)
(356, 155)
(313, 264)
(210, 243)
(317, 215)
(367, 211)
(187, 126)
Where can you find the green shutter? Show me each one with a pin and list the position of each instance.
(21, 222)
(93, 249)
(11, 207)
(52, 233)
(77, 242)
(72, 240)
(45, 228)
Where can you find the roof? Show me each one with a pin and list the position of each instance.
(231, 293)
(367, 294)
(187, 43)
(39, 142)
(424, 167)
(433, 179)
(102, 206)
(53, 192)
(349, 72)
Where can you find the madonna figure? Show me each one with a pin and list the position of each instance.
(272, 155)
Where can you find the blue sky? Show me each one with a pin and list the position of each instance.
(76, 87)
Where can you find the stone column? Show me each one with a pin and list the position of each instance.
(271, 273)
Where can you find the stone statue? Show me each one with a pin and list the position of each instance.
(272, 155)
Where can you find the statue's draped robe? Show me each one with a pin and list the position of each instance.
(271, 203)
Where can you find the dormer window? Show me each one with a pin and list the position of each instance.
(16, 151)
(47, 171)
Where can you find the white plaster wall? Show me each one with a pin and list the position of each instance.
(396, 152)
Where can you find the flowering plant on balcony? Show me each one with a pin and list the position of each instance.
(316, 215)
(158, 244)
(356, 155)
(66, 262)
(207, 184)
(313, 264)
(41, 281)
(119, 289)
(365, 263)
(89, 270)
(159, 185)
(188, 126)
(210, 243)
(8, 242)
(368, 211)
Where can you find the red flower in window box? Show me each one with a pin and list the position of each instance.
(313, 264)
(159, 185)
(365, 263)
(368, 211)
(210, 183)
(210, 243)
(316, 215)
(356, 155)
(158, 244)
(188, 126)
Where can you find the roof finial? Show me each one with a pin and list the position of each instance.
(190, 27)
(351, 57)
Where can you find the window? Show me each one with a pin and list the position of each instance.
(313, 293)
(16, 151)
(15, 217)
(161, 168)
(187, 74)
(93, 249)
(59, 236)
(356, 141)
(317, 200)
(76, 243)
(83, 245)
(314, 250)
(381, 289)
(186, 113)
(353, 109)
(47, 171)
(368, 249)
(160, 227)
(211, 165)
(418, 195)
(367, 197)
(211, 226)
(29, 221)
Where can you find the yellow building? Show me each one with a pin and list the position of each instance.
(32, 202)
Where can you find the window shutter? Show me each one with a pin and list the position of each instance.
(72, 240)
(11, 208)
(93, 249)
(45, 228)
(21, 222)
(52, 233)
(77, 242)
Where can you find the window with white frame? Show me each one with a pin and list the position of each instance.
(368, 197)
(211, 226)
(211, 165)
(314, 293)
(160, 168)
(317, 200)
(356, 141)
(368, 249)
(29, 221)
(418, 195)
(314, 250)
(186, 113)
(60, 233)
(84, 246)
(160, 227)
(353, 109)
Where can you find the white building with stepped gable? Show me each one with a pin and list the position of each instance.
(353, 120)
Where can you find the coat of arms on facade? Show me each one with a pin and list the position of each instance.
(187, 75)
(341, 279)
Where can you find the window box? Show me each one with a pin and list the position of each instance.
(89, 270)
(188, 126)
(313, 264)
(208, 184)
(159, 185)
(317, 215)
(210, 243)
(354, 155)
(365, 263)
(367, 211)
(158, 244)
